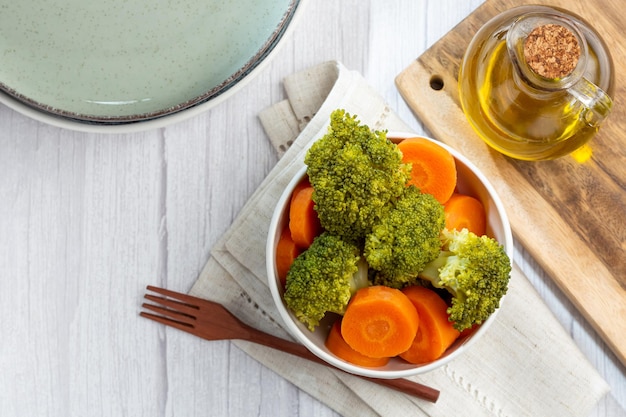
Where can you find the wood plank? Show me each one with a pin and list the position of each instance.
(569, 216)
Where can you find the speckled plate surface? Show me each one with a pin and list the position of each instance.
(112, 62)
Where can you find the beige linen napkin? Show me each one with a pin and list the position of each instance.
(525, 365)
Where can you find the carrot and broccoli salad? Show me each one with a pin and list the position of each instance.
(379, 235)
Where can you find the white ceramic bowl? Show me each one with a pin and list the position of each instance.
(470, 181)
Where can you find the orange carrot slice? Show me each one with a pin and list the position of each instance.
(286, 252)
(339, 347)
(434, 168)
(464, 211)
(304, 183)
(379, 322)
(435, 333)
(303, 221)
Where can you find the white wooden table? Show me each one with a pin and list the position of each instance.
(88, 220)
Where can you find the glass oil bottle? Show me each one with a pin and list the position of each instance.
(535, 83)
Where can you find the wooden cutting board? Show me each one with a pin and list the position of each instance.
(571, 217)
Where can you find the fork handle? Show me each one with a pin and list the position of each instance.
(401, 384)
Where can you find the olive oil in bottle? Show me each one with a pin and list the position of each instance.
(520, 84)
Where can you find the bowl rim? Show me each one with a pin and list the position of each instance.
(289, 320)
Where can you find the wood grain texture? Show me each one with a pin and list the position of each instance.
(569, 216)
(88, 220)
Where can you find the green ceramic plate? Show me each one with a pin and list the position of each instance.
(120, 61)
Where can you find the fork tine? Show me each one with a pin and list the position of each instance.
(188, 299)
(168, 322)
(184, 308)
(172, 314)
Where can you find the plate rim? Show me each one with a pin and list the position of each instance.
(183, 111)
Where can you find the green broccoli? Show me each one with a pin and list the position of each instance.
(323, 278)
(356, 174)
(406, 239)
(475, 270)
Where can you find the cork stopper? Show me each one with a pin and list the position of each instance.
(552, 51)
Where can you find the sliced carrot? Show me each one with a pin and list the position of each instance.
(286, 252)
(339, 347)
(435, 333)
(434, 168)
(379, 322)
(304, 183)
(464, 211)
(303, 221)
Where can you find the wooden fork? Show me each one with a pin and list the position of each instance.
(212, 321)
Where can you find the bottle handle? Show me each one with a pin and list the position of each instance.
(596, 101)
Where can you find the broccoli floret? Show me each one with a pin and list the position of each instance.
(405, 240)
(323, 278)
(356, 174)
(475, 270)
